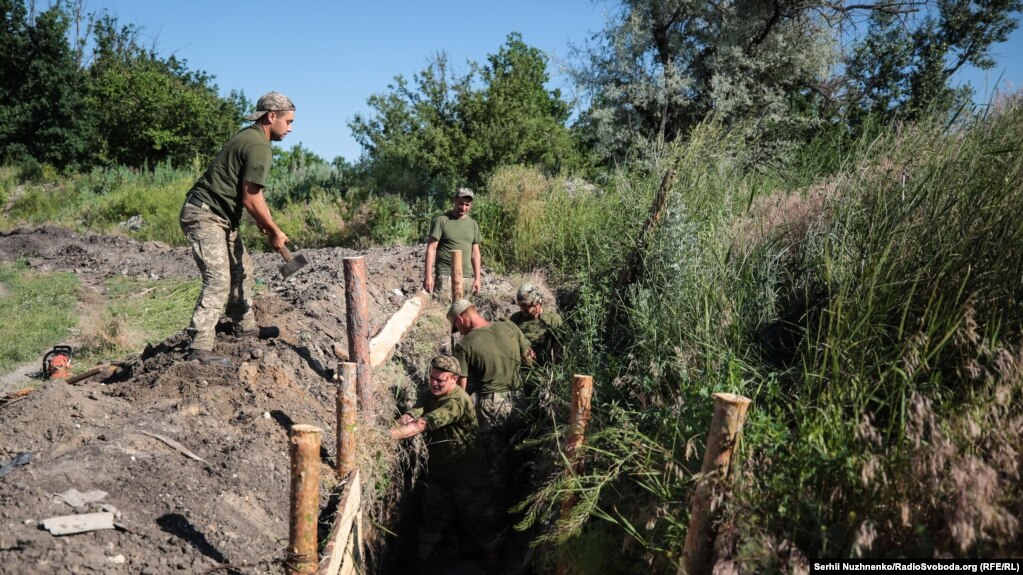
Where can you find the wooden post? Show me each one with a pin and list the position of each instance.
(579, 416)
(346, 417)
(725, 430)
(305, 500)
(457, 283)
(578, 419)
(358, 328)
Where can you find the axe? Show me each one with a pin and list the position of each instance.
(291, 264)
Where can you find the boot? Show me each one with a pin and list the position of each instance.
(206, 357)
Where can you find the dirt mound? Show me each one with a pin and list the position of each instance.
(177, 514)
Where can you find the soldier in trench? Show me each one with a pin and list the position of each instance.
(456, 480)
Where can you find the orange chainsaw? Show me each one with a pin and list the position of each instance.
(57, 362)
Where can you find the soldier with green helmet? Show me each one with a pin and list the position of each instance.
(540, 325)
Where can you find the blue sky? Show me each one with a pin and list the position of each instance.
(330, 56)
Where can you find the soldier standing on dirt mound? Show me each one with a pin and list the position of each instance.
(454, 230)
(456, 480)
(491, 355)
(232, 183)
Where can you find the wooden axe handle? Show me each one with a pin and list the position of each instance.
(285, 253)
(88, 374)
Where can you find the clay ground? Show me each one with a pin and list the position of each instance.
(176, 514)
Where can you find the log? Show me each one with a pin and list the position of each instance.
(578, 419)
(725, 431)
(383, 345)
(305, 498)
(457, 281)
(356, 301)
(346, 420)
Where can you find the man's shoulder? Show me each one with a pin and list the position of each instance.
(551, 317)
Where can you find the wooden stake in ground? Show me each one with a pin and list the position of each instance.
(457, 282)
(578, 419)
(305, 500)
(358, 328)
(725, 430)
(346, 418)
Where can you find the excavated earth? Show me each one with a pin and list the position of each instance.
(174, 514)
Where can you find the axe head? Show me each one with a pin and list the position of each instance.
(293, 265)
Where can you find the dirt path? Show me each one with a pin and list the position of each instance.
(176, 514)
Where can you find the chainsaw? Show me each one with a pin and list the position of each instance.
(57, 362)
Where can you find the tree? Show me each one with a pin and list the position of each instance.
(902, 65)
(443, 127)
(150, 110)
(42, 112)
(514, 119)
(661, 66)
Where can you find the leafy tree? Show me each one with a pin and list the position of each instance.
(150, 110)
(42, 113)
(902, 66)
(443, 127)
(514, 119)
(775, 68)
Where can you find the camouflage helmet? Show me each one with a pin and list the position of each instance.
(447, 363)
(529, 294)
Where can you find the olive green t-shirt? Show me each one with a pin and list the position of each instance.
(492, 356)
(454, 234)
(540, 331)
(246, 157)
(455, 453)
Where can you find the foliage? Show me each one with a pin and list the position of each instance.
(776, 69)
(42, 109)
(902, 65)
(441, 128)
(164, 112)
(128, 107)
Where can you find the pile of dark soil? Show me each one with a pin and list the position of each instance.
(176, 514)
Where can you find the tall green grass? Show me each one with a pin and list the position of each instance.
(869, 302)
(38, 312)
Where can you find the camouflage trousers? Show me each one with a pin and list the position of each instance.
(442, 288)
(227, 274)
(474, 506)
(500, 418)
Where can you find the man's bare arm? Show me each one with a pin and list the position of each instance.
(410, 429)
(431, 257)
(255, 204)
(477, 273)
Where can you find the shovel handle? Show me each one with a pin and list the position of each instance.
(285, 253)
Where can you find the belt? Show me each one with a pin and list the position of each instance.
(197, 202)
(510, 392)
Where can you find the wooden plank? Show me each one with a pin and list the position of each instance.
(81, 523)
(342, 554)
(383, 345)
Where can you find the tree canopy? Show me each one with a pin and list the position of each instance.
(444, 127)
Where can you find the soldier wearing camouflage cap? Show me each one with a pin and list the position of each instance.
(456, 476)
(492, 354)
(540, 325)
(231, 185)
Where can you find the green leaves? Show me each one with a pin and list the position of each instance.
(444, 127)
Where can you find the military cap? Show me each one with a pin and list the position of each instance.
(271, 102)
(447, 363)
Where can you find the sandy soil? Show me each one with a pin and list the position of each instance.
(176, 514)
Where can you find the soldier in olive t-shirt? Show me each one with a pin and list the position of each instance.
(492, 353)
(232, 184)
(454, 230)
